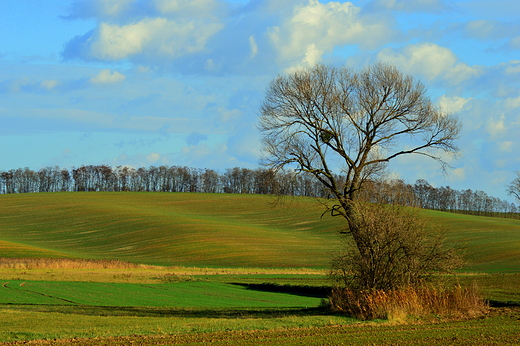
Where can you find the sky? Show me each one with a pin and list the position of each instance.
(180, 82)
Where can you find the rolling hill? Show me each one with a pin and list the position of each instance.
(213, 230)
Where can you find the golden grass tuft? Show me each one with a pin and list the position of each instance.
(401, 304)
(65, 263)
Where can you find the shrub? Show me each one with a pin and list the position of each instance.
(395, 249)
(399, 304)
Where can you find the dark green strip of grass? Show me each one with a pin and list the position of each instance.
(179, 295)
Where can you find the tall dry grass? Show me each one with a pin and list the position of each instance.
(66, 263)
(400, 304)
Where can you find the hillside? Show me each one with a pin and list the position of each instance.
(169, 228)
(214, 230)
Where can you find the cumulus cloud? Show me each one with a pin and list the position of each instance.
(409, 5)
(143, 31)
(14, 84)
(50, 84)
(149, 38)
(128, 10)
(497, 127)
(254, 46)
(29, 85)
(484, 29)
(59, 85)
(505, 146)
(453, 104)
(98, 8)
(513, 67)
(153, 157)
(512, 104)
(494, 30)
(107, 76)
(458, 174)
(314, 29)
(203, 155)
(514, 43)
(188, 7)
(430, 61)
(214, 36)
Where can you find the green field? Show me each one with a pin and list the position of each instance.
(214, 230)
(220, 269)
(168, 229)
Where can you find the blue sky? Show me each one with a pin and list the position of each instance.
(179, 82)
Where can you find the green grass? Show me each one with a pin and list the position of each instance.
(20, 324)
(194, 294)
(212, 309)
(170, 229)
(249, 329)
(214, 230)
(211, 242)
(488, 244)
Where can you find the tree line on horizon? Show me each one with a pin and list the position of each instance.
(95, 178)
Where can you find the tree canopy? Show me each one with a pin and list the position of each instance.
(325, 118)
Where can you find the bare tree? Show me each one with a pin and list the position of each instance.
(324, 119)
(514, 187)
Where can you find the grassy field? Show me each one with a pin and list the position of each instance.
(228, 307)
(158, 268)
(489, 244)
(214, 230)
(494, 329)
(168, 229)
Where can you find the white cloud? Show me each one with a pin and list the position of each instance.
(505, 146)
(151, 37)
(512, 103)
(141, 34)
(314, 29)
(482, 28)
(50, 84)
(453, 104)
(115, 42)
(107, 77)
(497, 127)
(430, 61)
(458, 174)
(410, 5)
(99, 8)
(113, 7)
(186, 7)
(515, 43)
(153, 157)
(204, 155)
(253, 45)
(208, 36)
(513, 68)
(14, 85)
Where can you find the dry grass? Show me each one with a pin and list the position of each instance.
(62, 263)
(60, 269)
(400, 304)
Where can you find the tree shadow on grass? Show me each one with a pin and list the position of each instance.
(299, 290)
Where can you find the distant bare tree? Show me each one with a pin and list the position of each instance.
(514, 187)
(322, 119)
